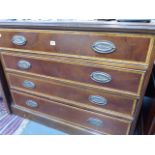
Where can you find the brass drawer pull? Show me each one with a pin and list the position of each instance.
(19, 40)
(99, 100)
(31, 103)
(23, 64)
(95, 121)
(103, 47)
(100, 77)
(28, 84)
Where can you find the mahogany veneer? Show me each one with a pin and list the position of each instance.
(75, 115)
(79, 43)
(130, 80)
(73, 95)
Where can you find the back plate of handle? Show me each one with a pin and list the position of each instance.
(23, 64)
(19, 40)
(103, 46)
(95, 122)
(100, 77)
(99, 100)
(28, 84)
(31, 103)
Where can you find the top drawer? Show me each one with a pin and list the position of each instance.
(128, 47)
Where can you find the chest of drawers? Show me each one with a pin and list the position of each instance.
(83, 82)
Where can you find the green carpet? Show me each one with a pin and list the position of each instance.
(33, 128)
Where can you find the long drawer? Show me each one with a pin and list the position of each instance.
(82, 97)
(98, 123)
(88, 44)
(102, 77)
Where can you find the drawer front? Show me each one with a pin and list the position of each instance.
(83, 97)
(125, 80)
(99, 123)
(89, 44)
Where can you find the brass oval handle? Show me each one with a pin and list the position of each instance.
(19, 40)
(31, 103)
(103, 46)
(100, 77)
(99, 100)
(23, 64)
(95, 121)
(28, 84)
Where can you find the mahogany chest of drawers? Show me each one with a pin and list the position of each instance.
(82, 82)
